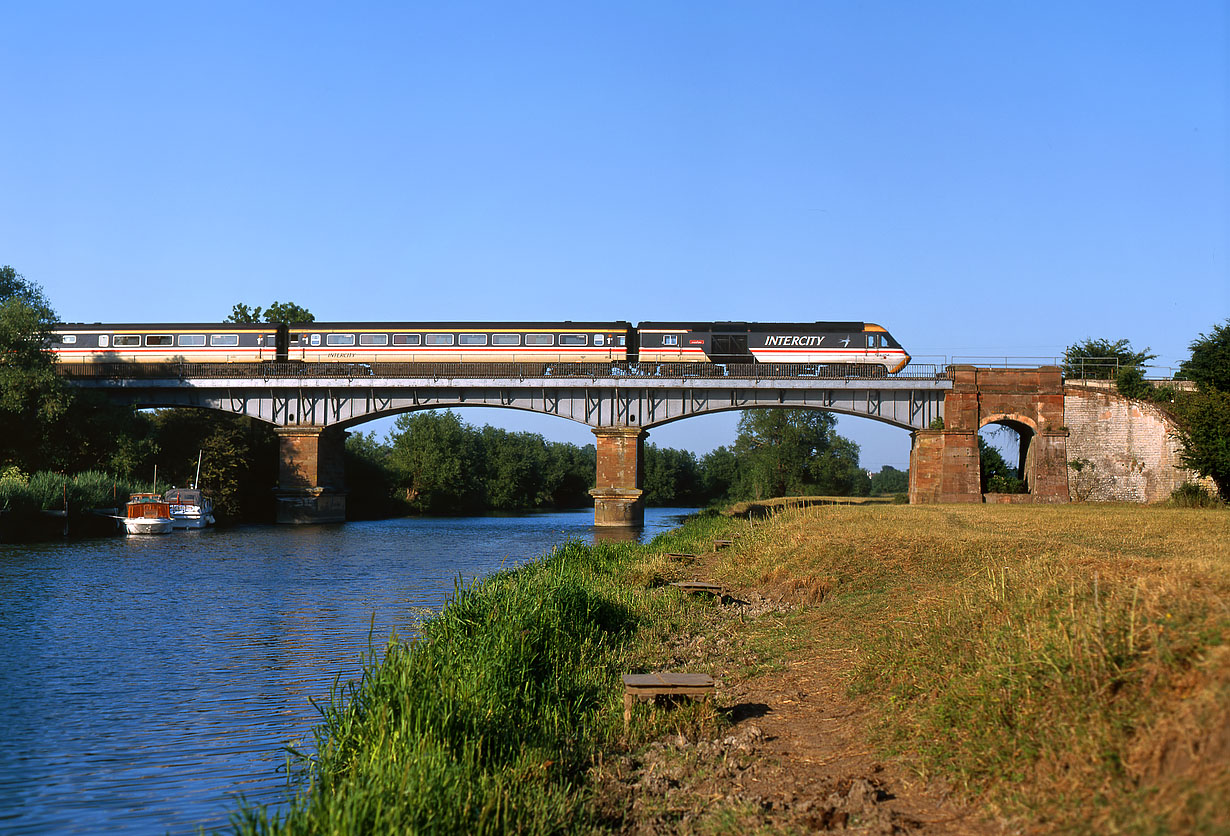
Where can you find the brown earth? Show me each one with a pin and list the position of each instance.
(791, 756)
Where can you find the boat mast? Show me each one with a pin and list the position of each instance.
(197, 484)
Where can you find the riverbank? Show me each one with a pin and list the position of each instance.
(930, 669)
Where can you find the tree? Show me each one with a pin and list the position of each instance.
(889, 480)
(277, 312)
(996, 475)
(32, 397)
(1101, 359)
(437, 459)
(1204, 415)
(789, 452)
(1209, 365)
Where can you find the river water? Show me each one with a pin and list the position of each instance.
(149, 681)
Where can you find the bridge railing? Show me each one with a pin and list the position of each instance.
(487, 371)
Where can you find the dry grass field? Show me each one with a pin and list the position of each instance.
(1058, 668)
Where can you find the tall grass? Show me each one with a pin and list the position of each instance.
(1035, 657)
(57, 492)
(488, 721)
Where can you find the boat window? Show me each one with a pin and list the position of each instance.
(127, 339)
(192, 339)
(540, 339)
(224, 339)
(439, 339)
(599, 339)
(473, 339)
(339, 339)
(572, 339)
(373, 339)
(670, 339)
(159, 339)
(406, 339)
(506, 339)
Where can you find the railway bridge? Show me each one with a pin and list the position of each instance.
(312, 405)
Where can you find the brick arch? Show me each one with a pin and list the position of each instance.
(944, 463)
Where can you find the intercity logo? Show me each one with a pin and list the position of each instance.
(782, 340)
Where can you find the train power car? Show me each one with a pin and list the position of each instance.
(827, 344)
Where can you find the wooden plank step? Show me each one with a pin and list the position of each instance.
(644, 687)
(722, 543)
(700, 586)
(684, 556)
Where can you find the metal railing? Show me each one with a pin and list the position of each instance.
(488, 371)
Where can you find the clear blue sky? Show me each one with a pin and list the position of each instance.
(980, 178)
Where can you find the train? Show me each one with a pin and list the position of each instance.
(828, 344)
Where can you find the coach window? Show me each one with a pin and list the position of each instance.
(373, 339)
(192, 339)
(473, 339)
(439, 339)
(224, 339)
(540, 339)
(159, 339)
(68, 339)
(572, 339)
(406, 339)
(339, 339)
(127, 339)
(598, 339)
(506, 339)
(670, 339)
(316, 339)
(103, 339)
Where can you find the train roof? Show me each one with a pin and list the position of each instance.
(804, 327)
(357, 326)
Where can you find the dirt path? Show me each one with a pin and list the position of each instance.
(795, 760)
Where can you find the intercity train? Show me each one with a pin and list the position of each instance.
(830, 344)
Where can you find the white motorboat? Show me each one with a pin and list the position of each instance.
(190, 508)
(147, 513)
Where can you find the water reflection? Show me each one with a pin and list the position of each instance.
(149, 680)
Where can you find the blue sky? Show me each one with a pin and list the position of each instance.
(983, 179)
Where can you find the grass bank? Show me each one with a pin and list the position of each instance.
(1063, 668)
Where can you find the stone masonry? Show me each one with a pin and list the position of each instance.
(1120, 450)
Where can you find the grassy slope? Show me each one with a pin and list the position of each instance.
(1061, 664)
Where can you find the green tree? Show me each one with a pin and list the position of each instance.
(996, 475)
(1204, 415)
(371, 480)
(719, 474)
(1101, 359)
(437, 459)
(889, 480)
(277, 312)
(32, 397)
(672, 477)
(790, 452)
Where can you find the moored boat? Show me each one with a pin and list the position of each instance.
(190, 508)
(147, 513)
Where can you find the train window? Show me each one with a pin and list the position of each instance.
(316, 339)
(439, 339)
(224, 339)
(192, 339)
(506, 339)
(127, 339)
(621, 341)
(68, 339)
(159, 339)
(670, 339)
(473, 339)
(540, 339)
(103, 339)
(373, 339)
(572, 339)
(339, 339)
(599, 339)
(406, 339)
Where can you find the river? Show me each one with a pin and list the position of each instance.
(149, 681)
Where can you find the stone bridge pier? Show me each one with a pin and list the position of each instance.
(617, 489)
(944, 462)
(311, 475)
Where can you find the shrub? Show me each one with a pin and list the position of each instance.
(1193, 495)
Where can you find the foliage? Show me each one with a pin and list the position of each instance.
(672, 477)
(277, 312)
(1130, 381)
(1209, 365)
(371, 484)
(1204, 435)
(1101, 359)
(889, 480)
(995, 474)
(793, 452)
(32, 396)
(1192, 495)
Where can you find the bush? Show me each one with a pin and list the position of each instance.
(1192, 495)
